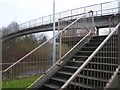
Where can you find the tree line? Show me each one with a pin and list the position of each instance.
(16, 48)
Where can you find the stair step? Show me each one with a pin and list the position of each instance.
(89, 69)
(99, 37)
(97, 59)
(84, 53)
(92, 44)
(59, 79)
(94, 65)
(73, 63)
(83, 76)
(93, 40)
(88, 48)
(63, 80)
(51, 86)
(111, 64)
(106, 53)
(92, 48)
(97, 74)
(104, 67)
(80, 58)
(81, 86)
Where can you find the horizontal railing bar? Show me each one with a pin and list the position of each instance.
(71, 16)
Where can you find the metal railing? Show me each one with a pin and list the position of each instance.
(16, 48)
(38, 61)
(112, 78)
(99, 9)
(106, 59)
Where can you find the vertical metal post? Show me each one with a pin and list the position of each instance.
(101, 9)
(54, 43)
(93, 21)
(60, 42)
(109, 24)
(84, 9)
(97, 32)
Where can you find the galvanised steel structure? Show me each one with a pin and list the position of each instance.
(83, 57)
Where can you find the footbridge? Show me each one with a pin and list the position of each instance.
(104, 16)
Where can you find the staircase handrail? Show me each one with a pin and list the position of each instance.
(42, 44)
(89, 58)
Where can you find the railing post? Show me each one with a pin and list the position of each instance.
(93, 22)
(109, 24)
(71, 14)
(97, 32)
(42, 20)
(29, 24)
(54, 39)
(60, 48)
(35, 22)
(101, 9)
(84, 9)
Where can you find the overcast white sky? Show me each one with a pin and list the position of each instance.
(25, 10)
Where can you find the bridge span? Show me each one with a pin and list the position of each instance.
(103, 17)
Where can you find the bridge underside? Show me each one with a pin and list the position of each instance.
(99, 22)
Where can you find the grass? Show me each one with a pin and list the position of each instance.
(19, 83)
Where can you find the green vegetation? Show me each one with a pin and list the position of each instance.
(19, 83)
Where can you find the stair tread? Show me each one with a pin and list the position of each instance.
(95, 47)
(79, 56)
(85, 51)
(52, 85)
(94, 43)
(84, 76)
(73, 83)
(102, 37)
(99, 52)
(89, 47)
(76, 61)
(73, 67)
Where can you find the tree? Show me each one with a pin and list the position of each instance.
(13, 27)
(4, 31)
(41, 38)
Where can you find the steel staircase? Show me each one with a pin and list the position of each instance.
(88, 64)
(91, 75)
